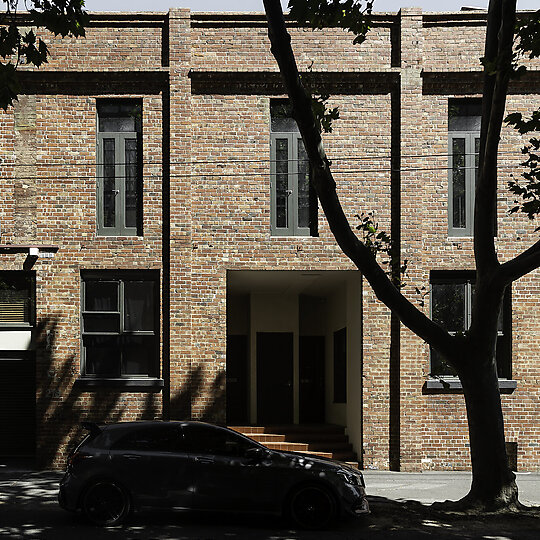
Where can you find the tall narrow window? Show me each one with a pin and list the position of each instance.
(464, 119)
(451, 306)
(293, 202)
(119, 170)
(120, 324)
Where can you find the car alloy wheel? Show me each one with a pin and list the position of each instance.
(312, 507)
(105, 503)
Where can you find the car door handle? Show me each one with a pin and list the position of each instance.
(204, 460)
(131, 456)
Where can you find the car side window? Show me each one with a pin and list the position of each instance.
(200, 439)
(152, 439)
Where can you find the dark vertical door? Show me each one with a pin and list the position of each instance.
(311, 379)
(17, 404)
(274, 377)
(237, 380)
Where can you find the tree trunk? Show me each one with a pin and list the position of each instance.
(493, 485)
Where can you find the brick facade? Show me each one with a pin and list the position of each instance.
(206, 81)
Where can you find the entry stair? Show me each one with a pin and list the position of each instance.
(325, 440)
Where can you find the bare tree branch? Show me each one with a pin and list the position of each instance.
(497, 70)
(528, 261)
(325, 186)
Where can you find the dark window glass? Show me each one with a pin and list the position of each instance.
(340, 366)
(200, 439)
(451, 307)
(303, 186)
(282, 182)
(126, 306)
(138, 355)
(458, 180)
(138, 305)
(102, 322)
(448, 307)
(101, 355)
(101, 296)
(119, 116)
(464, 114)
(109, 183)
(165, 438)
(281, 118)
(132, 188)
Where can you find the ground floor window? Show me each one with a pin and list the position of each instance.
(17, 293)
(452, 295)
(120, 322)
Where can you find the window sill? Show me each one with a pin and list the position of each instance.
(133, 384)
(452, 385)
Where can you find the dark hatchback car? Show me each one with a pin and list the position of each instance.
(199, 466)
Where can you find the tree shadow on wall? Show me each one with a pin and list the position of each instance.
(61, 405)
(193, 390)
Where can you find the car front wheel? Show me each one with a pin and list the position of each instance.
(312, 507)
(105, 503)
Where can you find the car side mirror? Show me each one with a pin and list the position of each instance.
(254, 455)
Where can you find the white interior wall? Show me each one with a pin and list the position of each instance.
(16, 340)
(354, 361)
(336, 413)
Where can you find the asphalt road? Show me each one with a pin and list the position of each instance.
(28, 509)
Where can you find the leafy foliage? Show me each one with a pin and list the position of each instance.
(351, 15)
(379, 241)
(323, 116)
(20, 45)
(528, 192)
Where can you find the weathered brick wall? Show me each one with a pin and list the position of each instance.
(207, 210)
(218, 46)
(50, 196)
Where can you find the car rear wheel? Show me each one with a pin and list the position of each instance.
(106, 503)
(312, 507)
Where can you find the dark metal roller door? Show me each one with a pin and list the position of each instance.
(17, 404)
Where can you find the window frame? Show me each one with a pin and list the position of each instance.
(468, 278)
(120, 169)
(470, 182)
(293, 229)
(25, 325)
(121, 276)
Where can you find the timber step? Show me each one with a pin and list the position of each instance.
(323, 440)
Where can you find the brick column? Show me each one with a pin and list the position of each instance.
(413, 219)
(178, 329)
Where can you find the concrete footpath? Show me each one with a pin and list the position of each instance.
(399, 504)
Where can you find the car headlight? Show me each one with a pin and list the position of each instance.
(350, 478)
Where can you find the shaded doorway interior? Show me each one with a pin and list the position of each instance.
(17, 363)
(275, 378)
(309, 308)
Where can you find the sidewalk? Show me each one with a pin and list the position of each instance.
(429, 487)
(399, 504)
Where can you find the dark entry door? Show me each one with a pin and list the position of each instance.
(17, 403)
(311, 379)
(237, 380)
(274, 377)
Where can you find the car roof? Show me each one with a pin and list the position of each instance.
(154, 423)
